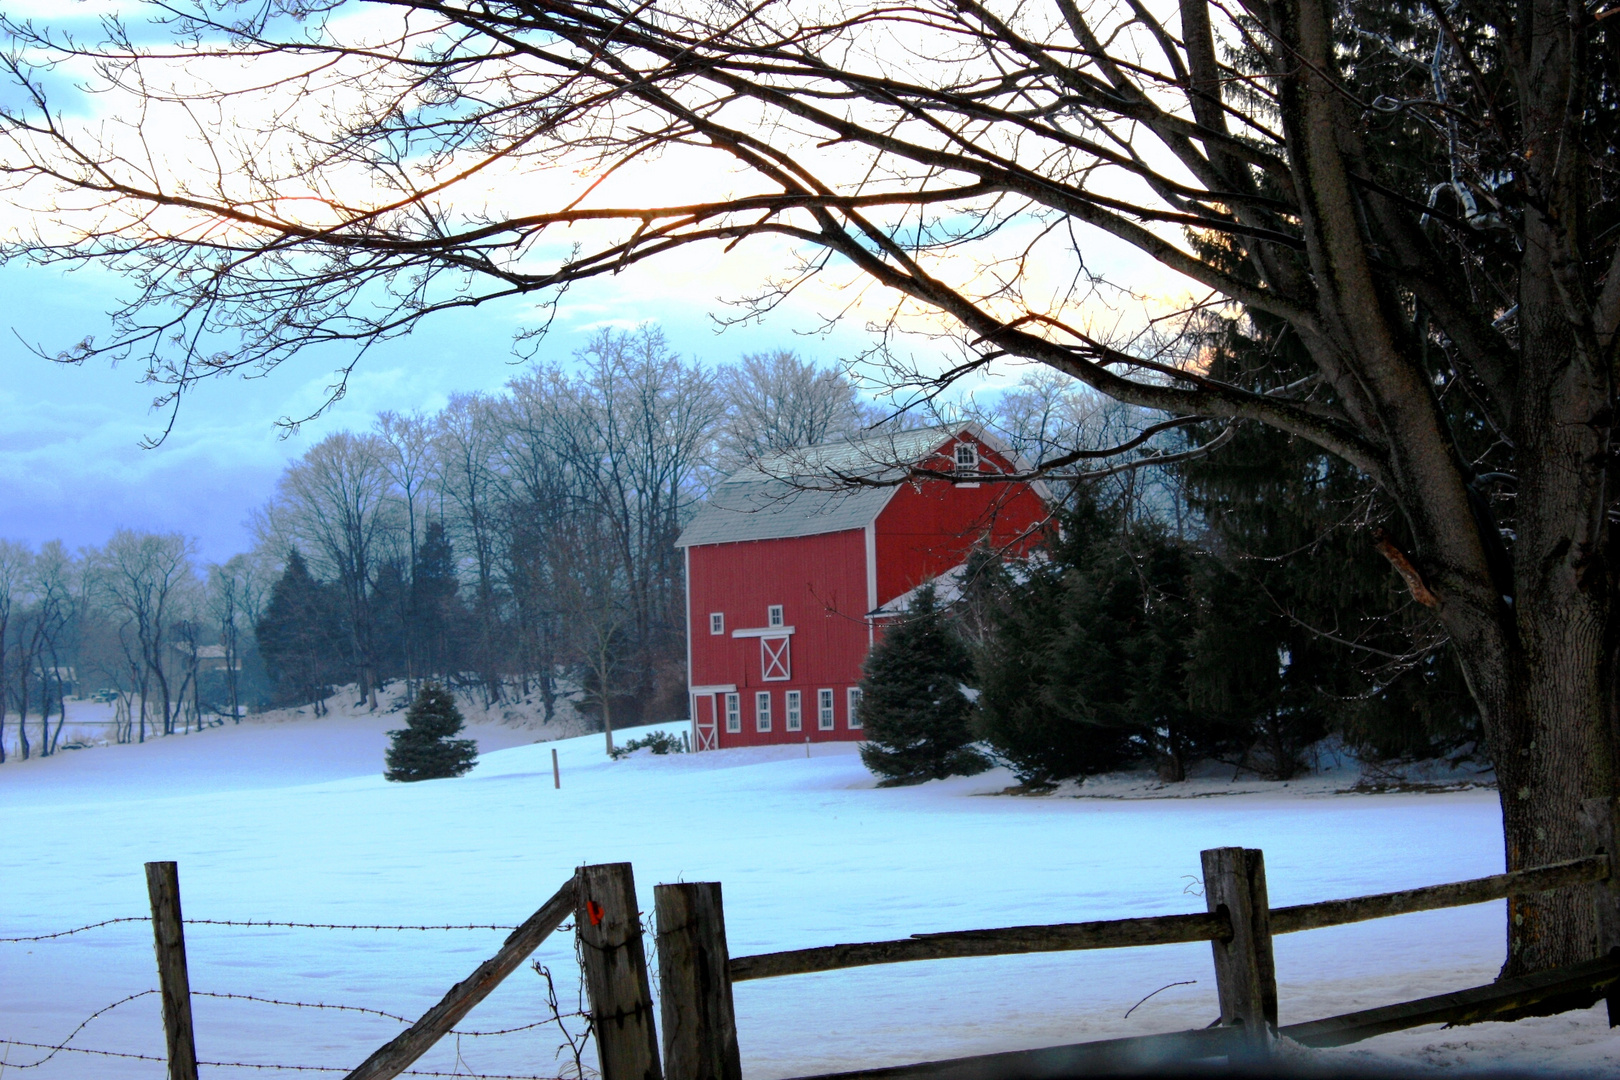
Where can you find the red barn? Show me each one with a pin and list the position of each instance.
(788, 571)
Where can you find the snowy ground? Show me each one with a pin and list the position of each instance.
(292, 822)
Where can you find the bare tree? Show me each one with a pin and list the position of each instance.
(15, 563)
(778, 401)
(142, 578)
(465, 445)
(1422, 198)
(335, 503)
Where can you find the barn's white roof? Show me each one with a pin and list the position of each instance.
(812, 491)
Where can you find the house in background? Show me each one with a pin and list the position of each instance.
(791, 562)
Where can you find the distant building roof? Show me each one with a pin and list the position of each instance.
(809, 492)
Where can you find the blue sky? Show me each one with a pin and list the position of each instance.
(71, 464)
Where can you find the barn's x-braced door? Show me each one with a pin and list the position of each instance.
(774, 659)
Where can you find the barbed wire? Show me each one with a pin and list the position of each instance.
(342, 926)
(262, 1065)
(77, 929)
(63, 1045)
(379, 1012)
(257, 923)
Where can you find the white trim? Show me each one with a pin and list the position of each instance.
(762, 716)
(826, 719)
(783, 653)
(871, 576)
(717, 688)
(773, 615)
(691, 691)
(793, 710)
(733, 703)
(717, 623)
(764, 631)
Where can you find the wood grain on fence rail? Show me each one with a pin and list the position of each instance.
(1586, 982)
(1110, 934)
(397, 1055)
(1290, 920)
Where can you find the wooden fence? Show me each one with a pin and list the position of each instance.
(697, 972)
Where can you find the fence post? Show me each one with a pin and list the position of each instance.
(1600, 820)
(700, 1026)
(1245, 973)
(169, 939)
(609, 929)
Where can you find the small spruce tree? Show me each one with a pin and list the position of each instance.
(917, 720)
(424, 749)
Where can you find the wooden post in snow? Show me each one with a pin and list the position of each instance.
(169, 939)
(556, 770)
(700, 1026)
(1600, 820)
(610, 949)
(1245, 973)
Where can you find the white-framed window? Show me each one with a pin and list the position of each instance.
(733, 713)
(854, 708)
(717, 622)
(762, 711)
(795, 711)
(967, 456)
(824, 710)
(773, 615)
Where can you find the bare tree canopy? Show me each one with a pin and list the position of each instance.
(1423, 197)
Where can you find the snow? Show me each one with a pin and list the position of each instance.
(292, 821)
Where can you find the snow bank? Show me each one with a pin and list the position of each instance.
(292, 821)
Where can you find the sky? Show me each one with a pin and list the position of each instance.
(71, 462)
(72, 466)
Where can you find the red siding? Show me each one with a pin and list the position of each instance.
(820, 581)
(930, 527)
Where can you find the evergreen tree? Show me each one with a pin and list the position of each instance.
(1086, 667)
(916, 718)
(424, 748)
(1303, 629)
(436, 611)
(300, 636)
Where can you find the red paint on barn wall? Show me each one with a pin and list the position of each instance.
(825, 584)
(820, 584)
(926, 529)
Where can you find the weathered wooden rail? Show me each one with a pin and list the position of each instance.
(698, 1019)
(1164, 929)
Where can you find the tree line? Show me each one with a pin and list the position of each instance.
(520, 545)
(137, 621)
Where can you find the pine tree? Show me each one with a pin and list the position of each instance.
(424, 749)
(917, 720)
(1085, 667)
(300, 637)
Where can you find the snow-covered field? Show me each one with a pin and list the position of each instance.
(292, 821)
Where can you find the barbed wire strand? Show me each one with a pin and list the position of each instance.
(63, 1045)
(76, 929)
(254, 923)
(262, 1065)
(377, 1012)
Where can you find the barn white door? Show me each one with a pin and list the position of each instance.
(704, 712)
(775, 661)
